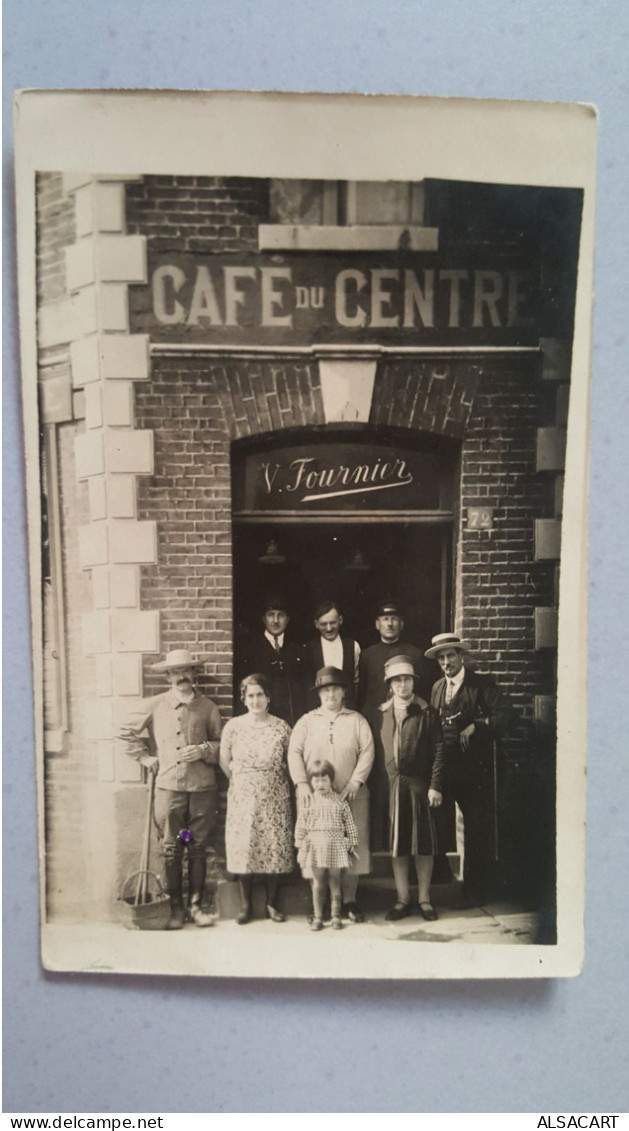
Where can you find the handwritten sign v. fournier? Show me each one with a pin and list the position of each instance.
(407, 299)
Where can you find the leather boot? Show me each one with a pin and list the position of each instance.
(197, 867)
(174, 887)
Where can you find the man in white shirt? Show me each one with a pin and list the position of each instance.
(331, 650)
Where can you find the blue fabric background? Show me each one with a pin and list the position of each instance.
(87, 1044)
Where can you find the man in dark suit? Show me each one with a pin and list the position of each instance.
(372, 688)
(474, 715)
(280, 659)
(330, 649)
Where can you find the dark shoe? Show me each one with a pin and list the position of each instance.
(316, 924)
(399, 911)
(353, 913)
(245, 916)
(274, 915)
(177, 917)
(336, 923)
(427, 911)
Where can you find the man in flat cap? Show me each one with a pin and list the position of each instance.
(372, 688)
(474, 715)
(176, 736)
(280, 659)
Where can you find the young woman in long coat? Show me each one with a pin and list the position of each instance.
(409, 735)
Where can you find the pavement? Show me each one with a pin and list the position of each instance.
(264, 948)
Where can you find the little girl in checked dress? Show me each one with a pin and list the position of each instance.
(326, 839)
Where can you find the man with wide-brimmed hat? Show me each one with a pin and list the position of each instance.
(342, 737)
(474, 715)
(176, 736)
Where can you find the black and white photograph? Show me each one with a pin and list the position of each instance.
(306, 435)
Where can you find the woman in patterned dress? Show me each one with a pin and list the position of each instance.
(326, 837)
(258, 828)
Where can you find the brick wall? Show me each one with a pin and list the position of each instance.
(55, 231)
(203, 214)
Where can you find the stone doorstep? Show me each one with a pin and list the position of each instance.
(376, 895)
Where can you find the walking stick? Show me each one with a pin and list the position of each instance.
(495, 767)
(142, 888)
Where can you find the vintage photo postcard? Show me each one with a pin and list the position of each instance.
(305, 385)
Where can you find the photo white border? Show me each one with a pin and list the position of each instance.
(343, 137)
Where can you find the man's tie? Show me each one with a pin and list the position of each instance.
(276, 643)
(450, 691)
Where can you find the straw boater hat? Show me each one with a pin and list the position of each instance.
(398, 665)
(329, 677)
(179, 658)
(446, 640)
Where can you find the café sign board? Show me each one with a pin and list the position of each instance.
(405, 298)
(341, 476)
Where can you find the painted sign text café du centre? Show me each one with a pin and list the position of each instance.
(356, 389)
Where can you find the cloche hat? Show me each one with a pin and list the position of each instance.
(329, 677)
(399, 665)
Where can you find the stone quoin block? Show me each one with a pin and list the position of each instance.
(56, 399)
(551, 449)
(125, 586)
(135, 631)
(547, 539)
(121, 496)
(96, 632)
(93, 406)
(112, 305)
(124, 357)
(100, 587)
(57, 323)
(121, 259)
(128, 770)
(80, 265)
(556, 355)
(117, 403)
(73, 181)
(89, 455)
(85, 361)
(106, 760)
(129, 451)
(99, 720)
(127, 673)
(133, 541)
(546, 624)
(122, 709)
(104, 679)
(98, 497)
(93, 545)
(99, 207)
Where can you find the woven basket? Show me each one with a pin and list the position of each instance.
(151, 915)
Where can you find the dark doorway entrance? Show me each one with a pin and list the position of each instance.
(356, 563)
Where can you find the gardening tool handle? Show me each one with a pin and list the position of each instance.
(142, 889)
